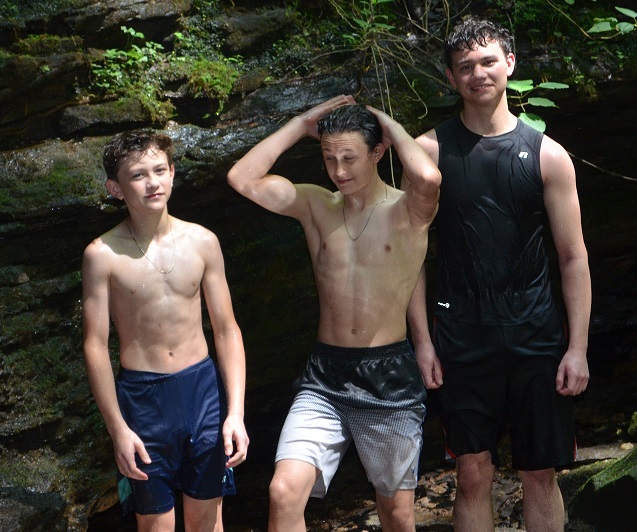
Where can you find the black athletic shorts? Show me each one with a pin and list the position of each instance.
(499, 378)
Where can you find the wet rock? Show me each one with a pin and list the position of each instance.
(245, 31)
(103, 118)
(607, 500)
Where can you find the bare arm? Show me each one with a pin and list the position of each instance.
(95, 288)
(428, 362)
(562, 205)
(229, 347)
(430, 367)
(419, 169)
(250, 175)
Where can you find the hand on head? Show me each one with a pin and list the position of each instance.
(312, 116)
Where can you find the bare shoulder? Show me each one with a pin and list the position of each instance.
(319, 199)
(555, 161)
(552, 148)
(104, 246)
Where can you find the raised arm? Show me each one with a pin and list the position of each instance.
(229, 347)
(250, 175)
(423, 175)
(562, 205)
(95, 312)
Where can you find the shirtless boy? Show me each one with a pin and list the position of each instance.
(367, 242)
(175, 422)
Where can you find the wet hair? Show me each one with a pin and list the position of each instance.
(473, 32)
(133, 144)
(352, 118)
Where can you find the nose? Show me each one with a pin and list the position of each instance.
(340, 169)
(152, 182)
(477, 71)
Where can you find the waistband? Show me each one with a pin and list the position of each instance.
(362, 353)
(151, 377)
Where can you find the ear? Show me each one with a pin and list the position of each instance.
(114, 189)
(378, 152)
(510, 59)
(172, 174)
(450, 77)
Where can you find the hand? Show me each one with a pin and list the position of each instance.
(429, 364)
(125, 447)
(387, 123)
(235, 440)
(572, 373)
(311, 117)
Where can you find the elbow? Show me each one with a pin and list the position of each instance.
(434, 176)
(234, 178)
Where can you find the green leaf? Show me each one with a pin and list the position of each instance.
(627, 12)
(533, 120)
(603, 24)
(541, 102)
(625, 27)
(520, 85)
(553, 85)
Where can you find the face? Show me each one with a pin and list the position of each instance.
(349, 161)
(481, 74)
(144, 182)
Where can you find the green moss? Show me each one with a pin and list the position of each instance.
(19, 9)
(44, 45)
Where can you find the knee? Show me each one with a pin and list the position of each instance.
(284, 492)
(396, 513)
(475, 475)
(543, 479)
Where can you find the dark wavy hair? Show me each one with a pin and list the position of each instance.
(473, 32)
(133, 144)
(352, 118)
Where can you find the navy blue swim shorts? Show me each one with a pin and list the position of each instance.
(179, 418)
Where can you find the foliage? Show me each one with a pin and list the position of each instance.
(141, 72)
(15, 9)
(523, 88)
(611, 24)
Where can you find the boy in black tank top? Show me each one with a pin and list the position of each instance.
(498, 336)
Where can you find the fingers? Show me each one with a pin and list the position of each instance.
(236, 450)
(571, 381)
(128, 468)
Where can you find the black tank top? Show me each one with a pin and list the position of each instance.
(492, 264)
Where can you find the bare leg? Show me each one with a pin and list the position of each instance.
(202, 515)
(156, 522)
(473, 509)
(290, 489)
(543, 505)
(396, 514)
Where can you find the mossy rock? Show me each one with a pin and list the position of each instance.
(607, 500)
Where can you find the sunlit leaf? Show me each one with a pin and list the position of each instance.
(603, 24)
(625, 27)
(627, 12)
(522, 85)
(533, 120)
(553, 85)
(541, 102)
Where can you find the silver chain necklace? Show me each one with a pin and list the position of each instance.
(354, 239)
(165, 272)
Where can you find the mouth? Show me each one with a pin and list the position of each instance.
(480, 88)
(153, 196)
